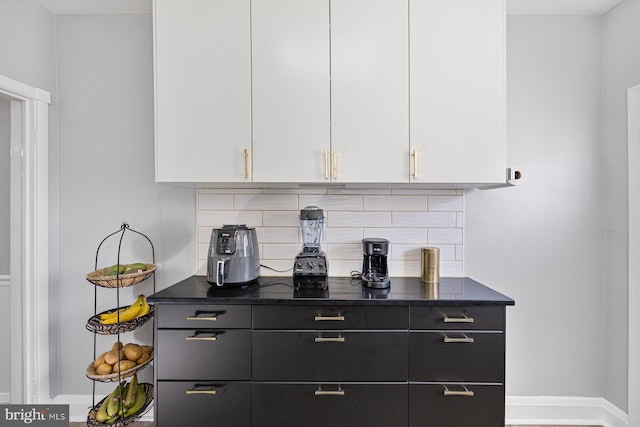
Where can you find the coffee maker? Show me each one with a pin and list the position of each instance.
(310, 265)
(375, 273)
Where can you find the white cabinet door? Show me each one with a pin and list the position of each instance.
(202, 90)
(457, 90)
(370, 90)
(291, 122)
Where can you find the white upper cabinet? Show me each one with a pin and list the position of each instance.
(369, 90)
(457, 64)
(202, 90)
(291, 105)
(341, 91)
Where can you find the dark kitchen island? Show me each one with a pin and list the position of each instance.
(268, 354)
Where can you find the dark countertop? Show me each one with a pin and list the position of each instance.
(341, 290)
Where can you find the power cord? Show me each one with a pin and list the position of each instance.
(277, 271)
(356, 278)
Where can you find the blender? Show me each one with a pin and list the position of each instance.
(310, 265)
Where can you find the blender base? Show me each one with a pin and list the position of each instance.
(310, 281)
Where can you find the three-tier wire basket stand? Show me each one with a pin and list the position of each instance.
(120, 280)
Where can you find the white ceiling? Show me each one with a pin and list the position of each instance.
(528, 7)
(83, 7)
(561, 7)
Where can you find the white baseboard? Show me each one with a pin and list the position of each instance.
(563, 410)
(80, 405)
(520, 410)
(5, 398)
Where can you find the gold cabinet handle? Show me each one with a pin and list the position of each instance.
(464, 339)
(197, 338)
(321, 392)
(210, 318)
(463, 319)
(326, 164)
(246, 163)
(335, 164)
(210, 391)
(338, 318)
(329, 339)
(465, 392)
(415, 164)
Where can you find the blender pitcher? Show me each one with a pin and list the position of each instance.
(311, 228)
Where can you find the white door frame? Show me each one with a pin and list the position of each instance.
(633, 111)
(29, 241)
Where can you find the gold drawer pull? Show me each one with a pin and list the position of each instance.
(211, 318)
(322, 318)
(210, 391)
(463, 319)
(328, 339)
(465, 392)
(464, 339)
(321, 392)
(196, 338)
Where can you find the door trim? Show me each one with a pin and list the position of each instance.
(29, 241)
(633, 111)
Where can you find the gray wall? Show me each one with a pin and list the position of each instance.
(27, 43)
(107, 176)
(621, 70)
(543, 243)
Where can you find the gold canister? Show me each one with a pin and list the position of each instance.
(430, 263)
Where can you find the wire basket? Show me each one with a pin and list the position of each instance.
(94, 325)
(91, 418)
(118, 376)
(99, 278)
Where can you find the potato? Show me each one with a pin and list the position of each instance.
(111, 357)
(116, 346)
(99, 361)
(124, 365)
(132, 351)
(104, 369)
(143, 358)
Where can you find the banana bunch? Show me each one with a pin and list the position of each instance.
(137, 309)
(125, 400)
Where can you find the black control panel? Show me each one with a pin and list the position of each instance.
(226, 244)
(310, 264)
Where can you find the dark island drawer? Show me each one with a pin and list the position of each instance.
(455, 405)
(330, 317)
(205, 354)
(470, 317)
(203, 316)
(202, 404)
(456, 356)
(330, 356)
(335, 405)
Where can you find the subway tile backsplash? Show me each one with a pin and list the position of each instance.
(409, 218)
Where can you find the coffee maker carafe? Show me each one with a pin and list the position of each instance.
(375, 273)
